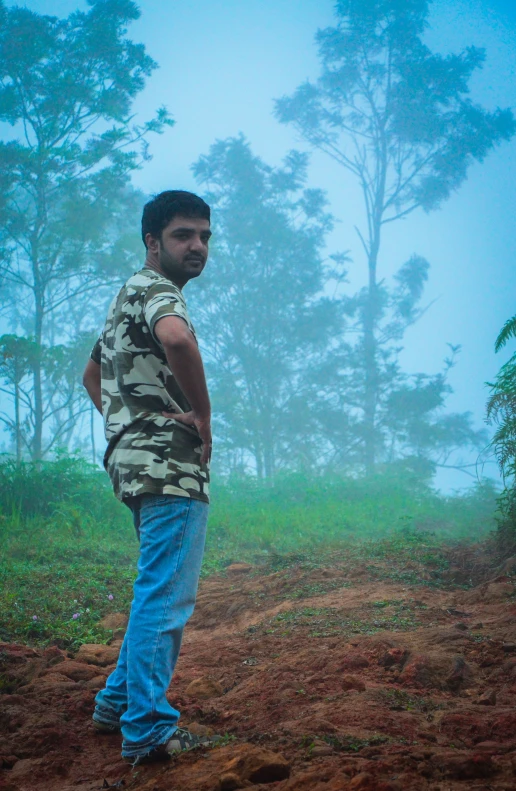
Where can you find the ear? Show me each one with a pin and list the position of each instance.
(152, 243)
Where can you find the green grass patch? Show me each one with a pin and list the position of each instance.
(68, 545)
(331, 621)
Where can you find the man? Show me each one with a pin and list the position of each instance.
(146, 377)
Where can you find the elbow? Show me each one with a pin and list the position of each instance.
(176, 344)
(87, 381)
(91, 376)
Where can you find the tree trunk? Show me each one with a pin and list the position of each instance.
(371, 395)
(370, 360)
(17, 426)
(37, 375)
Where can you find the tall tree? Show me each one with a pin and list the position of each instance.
(261, 314)
(66, 88)
(412, 422)
(17, 360)
(400, 120)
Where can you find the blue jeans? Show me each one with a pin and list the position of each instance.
(172, 531)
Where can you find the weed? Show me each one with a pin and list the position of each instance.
(398, 700)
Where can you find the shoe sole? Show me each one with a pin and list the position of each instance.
(162, 754)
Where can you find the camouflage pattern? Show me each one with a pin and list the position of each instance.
(146, 453)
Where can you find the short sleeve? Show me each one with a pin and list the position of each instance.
(163, 299)
(96, 352)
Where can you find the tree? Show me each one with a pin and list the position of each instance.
(66, 88)
(412, 425)
(260, 312)
(17, 359)
(399, 119)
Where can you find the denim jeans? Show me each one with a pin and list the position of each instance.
(172, 531)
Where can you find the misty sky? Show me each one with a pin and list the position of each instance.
(221, 64)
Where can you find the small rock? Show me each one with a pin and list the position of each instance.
(352, 662)
(466, 767)
(230, 781)
(497, 591)
(351, 682)
(256, 765)
(204, 688)
(77, 671)
(435, 672)
(115, 620)
(239, 568)
(48, 681)
(461, 626)
(94, 654)
(321, 749)
(488, 698)
(53, 655)
(460, 675)
(394, 656)
(199, 730)
(494, 748)
(509, 648)
(362, 782)
(96, 683)
(320, 725)
(508, 566)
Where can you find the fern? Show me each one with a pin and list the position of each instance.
(507, 332)
(501, 412)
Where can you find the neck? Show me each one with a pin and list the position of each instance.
(151, 262)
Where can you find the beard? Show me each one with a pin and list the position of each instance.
(182, 270)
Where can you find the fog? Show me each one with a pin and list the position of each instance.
(221, 66)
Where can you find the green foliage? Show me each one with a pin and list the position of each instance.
(400, 120)
(501, 406)
(68, 544)
(301, 512)
(68, 211)
(261, 315)
(58, 489)
(501, 412)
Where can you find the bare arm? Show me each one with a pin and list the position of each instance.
(185, 362)
(91, 381)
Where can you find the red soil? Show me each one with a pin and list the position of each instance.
(315, 701)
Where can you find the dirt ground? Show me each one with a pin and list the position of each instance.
(322, 679)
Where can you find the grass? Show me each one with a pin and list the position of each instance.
(69, 548)
(399, 700)
(331, 621)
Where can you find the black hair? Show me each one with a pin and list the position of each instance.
(162, 209)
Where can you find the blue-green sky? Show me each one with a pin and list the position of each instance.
(221, 64)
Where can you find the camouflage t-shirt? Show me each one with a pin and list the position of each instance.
(146, 453)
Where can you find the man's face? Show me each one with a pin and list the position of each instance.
(182, 250)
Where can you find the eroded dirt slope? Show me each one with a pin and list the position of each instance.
(325, 679)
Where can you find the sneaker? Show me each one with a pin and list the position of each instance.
(181, 741)
(105, 727)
